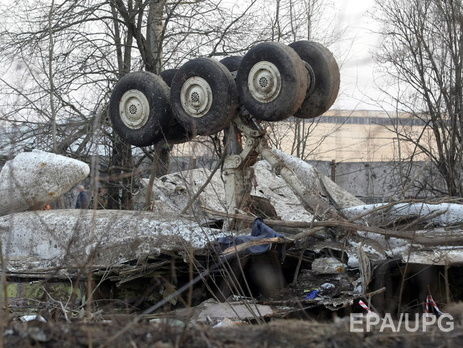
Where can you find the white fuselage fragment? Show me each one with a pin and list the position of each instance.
(33, 179)
(73, 239)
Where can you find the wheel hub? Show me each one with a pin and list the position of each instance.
(134, 109)
(264, 82)
(196, 96)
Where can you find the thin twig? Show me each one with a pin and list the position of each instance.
(201, 189)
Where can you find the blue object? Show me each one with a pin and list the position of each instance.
(312, 295)
(259, 231)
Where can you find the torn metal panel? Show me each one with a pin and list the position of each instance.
(173, 191)
(77, 238)
(443, 214)
(439, 256)
(446, 251)
(273, 187)
(316, 182)
(210, 310)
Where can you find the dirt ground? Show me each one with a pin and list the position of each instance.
(280, 333)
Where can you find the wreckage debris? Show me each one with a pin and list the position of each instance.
(73, 238)
(33, 179)
(213, 312)
(172, 192)
(442, 214)
(31, 317)
(328, 265)
(259, 231)
(282, 270)
(312, 180)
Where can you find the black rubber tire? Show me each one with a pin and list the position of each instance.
(325, 78)
(168, 76)
(294, 81)
(224, 106)
(232, 63)
(175, 133)
(157, 94)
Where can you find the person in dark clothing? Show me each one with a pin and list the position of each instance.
(83, 199)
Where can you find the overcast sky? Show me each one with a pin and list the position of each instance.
(354, 53)
(358, 87)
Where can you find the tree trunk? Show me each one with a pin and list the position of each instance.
(120, 178)
(154, 39)
(159, 167)
(121, 162)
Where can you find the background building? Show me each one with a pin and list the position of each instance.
(360, 150)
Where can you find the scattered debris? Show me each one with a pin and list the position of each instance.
(280, 333)
(325, 252)
(168, 321)
(328, 265)
(229, 323)
(259, 232)
(312, 294)
(212, 312)
(172, 192)
(31, 317)
(327, 286)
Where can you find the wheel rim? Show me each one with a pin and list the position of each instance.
(196, 96)
(264, 82)
(134, 109)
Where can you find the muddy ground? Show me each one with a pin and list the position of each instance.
(123, 332)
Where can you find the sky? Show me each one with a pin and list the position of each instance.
(360, 79)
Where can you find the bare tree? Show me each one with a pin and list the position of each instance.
(292, 21)
(60, 67)
(422, 50)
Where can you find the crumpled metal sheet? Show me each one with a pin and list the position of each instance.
(101, 238)
(32, 179)
(443, 214)
(438, 256)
